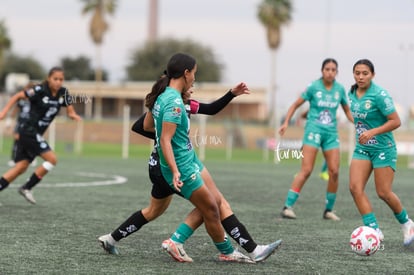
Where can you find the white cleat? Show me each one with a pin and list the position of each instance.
(27, 194)
(236, 257)
(329, 215)
(288, 213)
(176, 250)
(408, 232)
(262, 252)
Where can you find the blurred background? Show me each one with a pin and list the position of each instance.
(113, 51)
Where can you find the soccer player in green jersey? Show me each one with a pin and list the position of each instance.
(375, 117)
(325, 95)
(179, 164)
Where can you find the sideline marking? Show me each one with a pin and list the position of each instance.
(110, 180)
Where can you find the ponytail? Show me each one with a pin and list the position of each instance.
(157, 89)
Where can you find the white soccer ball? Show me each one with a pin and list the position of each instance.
(364, 241)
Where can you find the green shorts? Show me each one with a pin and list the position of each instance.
(190, 175)
(321, 139)
(378, 158)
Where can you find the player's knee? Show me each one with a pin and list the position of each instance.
(384, 195)
(48, 165)
(355, 189)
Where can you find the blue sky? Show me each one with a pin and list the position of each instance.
(347, 30)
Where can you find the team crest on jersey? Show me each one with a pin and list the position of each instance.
(368, 104)
(383, 93)
(318, 94)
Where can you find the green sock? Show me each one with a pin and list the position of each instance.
(182, 233)
(324, 167)
(291, 198)
(402, 217)
(225, 247)
(330, 201)
(370, 220)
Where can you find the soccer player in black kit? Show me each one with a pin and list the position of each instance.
(46, 99)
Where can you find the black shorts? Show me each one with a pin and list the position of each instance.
(28, 147)
(160, 187)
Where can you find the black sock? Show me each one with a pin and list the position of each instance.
(3, 183)
(31, 182)
(239, 233)
(132, 224)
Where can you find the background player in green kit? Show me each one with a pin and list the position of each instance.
(179, 163)
(324, 96)
(375, 118)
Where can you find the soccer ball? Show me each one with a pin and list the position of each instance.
(364, 241)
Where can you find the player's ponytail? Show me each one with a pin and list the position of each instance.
(156, 90)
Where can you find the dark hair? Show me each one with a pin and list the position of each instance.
(176, 67)
(52, 71)
(362, 62)
(329, 60)
(55, 69)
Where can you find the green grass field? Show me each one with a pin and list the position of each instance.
(59, 234)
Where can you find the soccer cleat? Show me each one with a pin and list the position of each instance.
(329, 215)
(408, 232)
(108, 244)
(324, 176)
(288, 213)
(262, 252)
(27, 194)
(236, 257)
(380, 234)
(176, 250)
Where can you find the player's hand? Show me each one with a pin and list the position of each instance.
(2, 115)
(282, 129)
(240, 89)
(365, 137)
(177, 182)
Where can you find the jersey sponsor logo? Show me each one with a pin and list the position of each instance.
(359, 115)
(388, 104)
(325, 117)
(361, 128)
(327, 104)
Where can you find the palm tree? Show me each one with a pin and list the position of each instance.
(273, 14)
(5, 43)
(97, 28)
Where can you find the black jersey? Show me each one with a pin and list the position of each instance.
(24, 109)
(43, 108)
